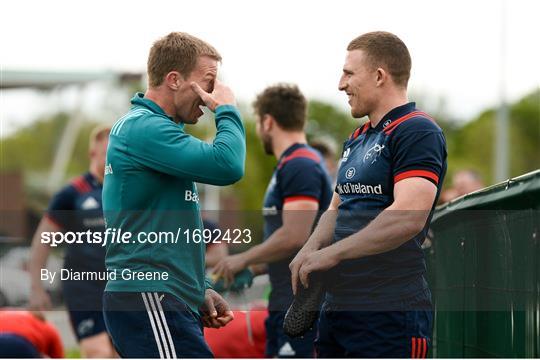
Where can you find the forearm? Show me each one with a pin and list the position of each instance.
(324, 232)
(386, 232)
(38, 259)
(166, 148)
(281, 245)
(229, 144)
(215, 253)
(258, 269)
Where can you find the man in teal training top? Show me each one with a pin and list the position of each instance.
(157, 298)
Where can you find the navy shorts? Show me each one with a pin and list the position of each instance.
(16, 346)
(153, 325)
(280, 345)
(86, 323)
(374, 334)
(84, 303)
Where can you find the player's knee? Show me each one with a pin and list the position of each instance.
(97, 346)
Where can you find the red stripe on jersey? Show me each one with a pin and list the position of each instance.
(300, 153)
(300, 198)
(81, 185)
(417, 173)
(388, 130)
(413, 348)
(359, 131)
(365, 127)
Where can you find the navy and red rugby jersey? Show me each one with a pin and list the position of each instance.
(299, 175)
(405, 143)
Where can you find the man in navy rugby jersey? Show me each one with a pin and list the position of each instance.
(299, 187)
(77, 208)
(378, 303)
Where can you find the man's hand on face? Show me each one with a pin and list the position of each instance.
(221, 95)
(216, 312)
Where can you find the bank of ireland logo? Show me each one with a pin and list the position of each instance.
(350, 173)
(373, 153)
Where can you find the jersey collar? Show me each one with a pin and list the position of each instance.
(290, 149)
(139, 100)
(92, 180)
(395, 114)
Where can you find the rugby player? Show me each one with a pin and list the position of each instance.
(378, 303)
(152, 167)
(27, 334)
(77, 208)
(300, 186)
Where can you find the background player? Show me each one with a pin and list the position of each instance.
(299, 187)
(77, 208)
(26, 334)
(378, 302)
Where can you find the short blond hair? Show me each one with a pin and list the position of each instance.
(384, 49)
(177, 51)
(98, 134)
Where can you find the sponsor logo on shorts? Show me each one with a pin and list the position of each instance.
(85, 327)
(108, 169)
(286, 350)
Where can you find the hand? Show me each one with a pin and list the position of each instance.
(320, 260)
(222, 95)
(215, 310)
(296, 263)
(228, 267)
(242, 280)
(39, 300)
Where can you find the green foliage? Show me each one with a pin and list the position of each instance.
(31, 149)
(259, 167)
(325, 119)
(472, 145)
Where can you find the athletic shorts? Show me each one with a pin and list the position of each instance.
(84, 303)
(153, 325)
(16, 346)
(86, 323)
(375, 334)
(280, 345)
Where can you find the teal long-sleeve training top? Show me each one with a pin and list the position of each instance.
(149, 193)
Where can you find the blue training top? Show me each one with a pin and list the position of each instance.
(77, 208)
(405, 143)
(299, 175)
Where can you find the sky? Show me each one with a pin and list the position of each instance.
(456, 46)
